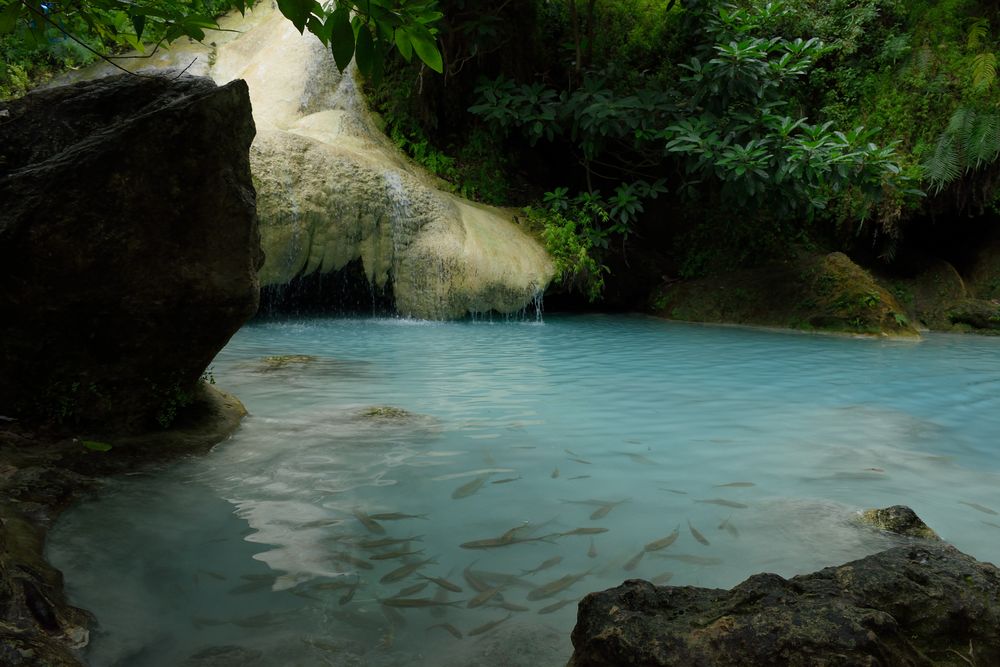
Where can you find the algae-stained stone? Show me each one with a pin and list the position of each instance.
(129, 245)
(898, 519)
(909, 606)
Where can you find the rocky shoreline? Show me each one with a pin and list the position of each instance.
(41, 475)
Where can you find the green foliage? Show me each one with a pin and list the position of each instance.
(970, 141)
(572, 237)
(365, 31)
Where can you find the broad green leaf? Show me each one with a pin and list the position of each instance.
(365, 53)
(138, 23)
(403, 44)
(96, 445)
(341, 37)
(426, 49)
(296, 11)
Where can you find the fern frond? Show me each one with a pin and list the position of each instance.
(979, 32)
(980, 144)
(961, 122)
(944, 166)
(984, 70)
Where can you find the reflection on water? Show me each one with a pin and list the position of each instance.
(409, 493)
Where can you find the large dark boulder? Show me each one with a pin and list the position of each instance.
(925, 604)
(129, 246)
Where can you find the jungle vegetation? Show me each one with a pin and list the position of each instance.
(671, 137)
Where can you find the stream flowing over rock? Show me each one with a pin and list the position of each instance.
(332, 189)
(129, 245)
(925, 604)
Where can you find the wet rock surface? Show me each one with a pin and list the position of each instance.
(129, 244)
(41, 475)
(925, 604)
(898, 519)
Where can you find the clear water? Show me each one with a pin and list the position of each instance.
(246, 547)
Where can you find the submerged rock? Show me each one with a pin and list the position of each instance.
(129, 246)
(914, 605)
(900, 520)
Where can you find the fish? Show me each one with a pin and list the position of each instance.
(416, 603)
(449, 628)
(571, 452)
(369, 523)
(555, 473)
(681, 493)
(405, 571)
(509, 606)
(251, 586)
(411, 590)
(486, 627)
(723, 502)
(694, 560)
(579, 477)
(737, 485)
(349, 595)
(494, 542)
(551, 562)
(468, 488)
(388, 542)
(696, 534)
(331, 585)
(978, 507)
(495, 578)
(990, 523)
(484, 597)
(395, 554)
(633, 561)
(506, 480)
(555, 586)
(555, 606)
(473, 580)
(662, 578)
(443, 583)
(348, 558)
(214, 575)
(728, 526)
(639, 458)
(396, 516)
(604, 510)
(583, 461)
(664, 542)
(321, 523)
(583, 531)
(592, 551)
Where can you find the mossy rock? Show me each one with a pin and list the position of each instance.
(385, 412)
(984, 276)
(929, 295)
(898, 519)
(279, 362)
(827, 293)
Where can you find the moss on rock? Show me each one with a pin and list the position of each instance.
(898, 519)
(828, 293)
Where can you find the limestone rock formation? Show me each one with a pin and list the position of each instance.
(129, 245)
(908, 606)
(332, 189)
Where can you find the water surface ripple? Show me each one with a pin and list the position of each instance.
(764, 444)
